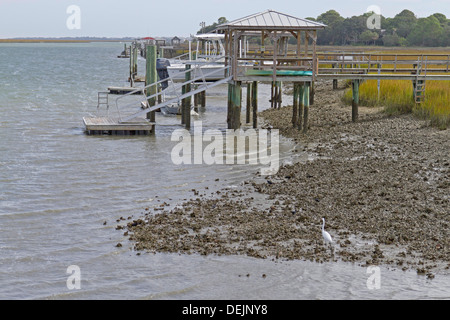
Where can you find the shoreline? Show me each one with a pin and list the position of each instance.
(382, 185)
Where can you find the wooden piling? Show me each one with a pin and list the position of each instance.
(254, 93)
(151, 76)
(295, 105)
(355, 100)
(203, 99)
(275, 96)
(335, 82)
(301, 104)
(249, 103)
(234, 105)
(186, 102)
(279, 95)
(306, 106)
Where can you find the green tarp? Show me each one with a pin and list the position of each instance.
(279, 73)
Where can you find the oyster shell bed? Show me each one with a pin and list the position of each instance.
(382, 184)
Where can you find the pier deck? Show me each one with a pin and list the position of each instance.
(123, 90)
(108, 125)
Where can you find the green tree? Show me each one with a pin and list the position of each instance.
(213, 26)
(368, 37)
(427, 32)
(441, 17)
(403, 23)
(393, 40)
(329, 35)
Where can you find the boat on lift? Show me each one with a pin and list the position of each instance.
(209, 59)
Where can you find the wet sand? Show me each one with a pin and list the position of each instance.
(382, 185)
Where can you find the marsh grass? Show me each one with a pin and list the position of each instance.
(396, 96)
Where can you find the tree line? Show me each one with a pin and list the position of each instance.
(405, 29)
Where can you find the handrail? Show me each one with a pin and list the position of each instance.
(178, 98)
(198, 75)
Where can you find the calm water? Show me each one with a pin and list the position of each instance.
(58, 187)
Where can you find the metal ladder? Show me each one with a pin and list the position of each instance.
(103, 100)
(419, 85)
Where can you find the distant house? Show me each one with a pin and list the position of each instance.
(175, 41)
(160, 42)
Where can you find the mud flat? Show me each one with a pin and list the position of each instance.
(382, 185)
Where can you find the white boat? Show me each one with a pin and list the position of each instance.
(211, 72)
(173, 108)
(209, 60)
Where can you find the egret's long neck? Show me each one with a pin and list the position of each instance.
(323, 225)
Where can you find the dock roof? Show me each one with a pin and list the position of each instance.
(271, 19)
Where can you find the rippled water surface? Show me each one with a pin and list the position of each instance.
(59, 186)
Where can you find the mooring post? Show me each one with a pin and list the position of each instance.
(312, 93)
(301, 104)
(186, 102)
(295, 105)
(255, 103)
(272, 94)
(229, 106)
(203, 99)
(234, 105)
(237, 103)
(196, 97)
(151, 76)
(355, 99)
(335, 82)
(306, 106)
(135, 60)
(249, 103)
(131, 66)
(280, 100)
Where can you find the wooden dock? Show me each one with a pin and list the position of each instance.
(112, 126)
(123, 90)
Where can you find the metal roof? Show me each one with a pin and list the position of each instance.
(272, 20)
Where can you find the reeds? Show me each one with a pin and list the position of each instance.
(396, 96)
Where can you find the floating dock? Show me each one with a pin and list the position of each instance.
(112, 126)
(123, 90)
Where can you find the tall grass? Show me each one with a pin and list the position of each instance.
(396, 96)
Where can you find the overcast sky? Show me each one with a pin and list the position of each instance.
(138, 18)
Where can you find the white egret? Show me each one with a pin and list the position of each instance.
(326, 236)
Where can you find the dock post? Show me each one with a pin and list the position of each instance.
(203, 99)
(135, 60)
(312, 93)
(280, 94)
(237, 105)
(272, 94)
(196, 98)
(186, 102)
(234, 105)
(131, 66)
(275, 96)
(335, 82)
(254, 93)
(295, 105)
(355, 99)
(306, 106)
(151, 76)
(301, 105)
(249, 103)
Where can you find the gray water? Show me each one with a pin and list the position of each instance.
(59, 186)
